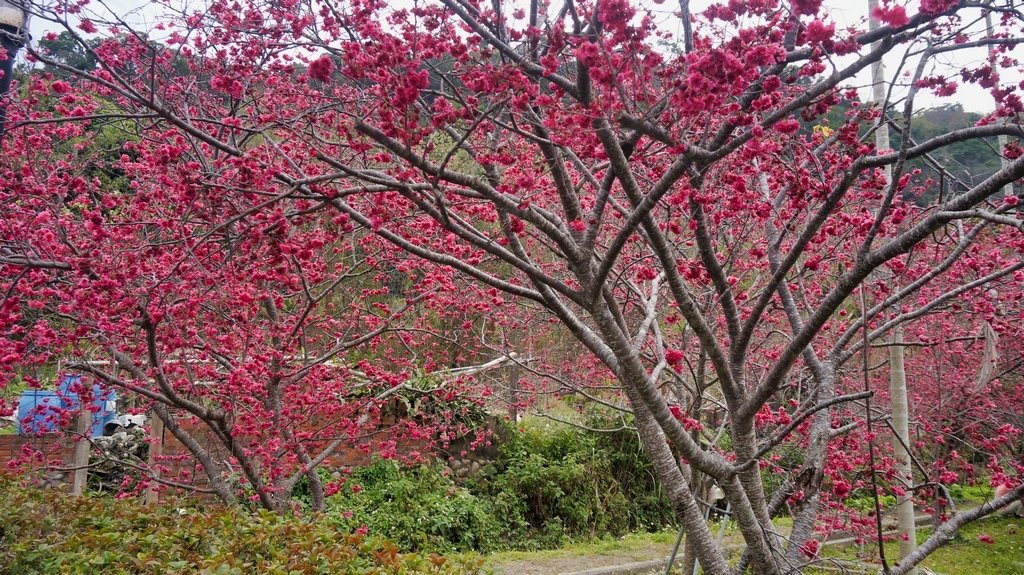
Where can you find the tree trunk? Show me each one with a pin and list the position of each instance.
(901, 440)
(897, 374)
(214, 470)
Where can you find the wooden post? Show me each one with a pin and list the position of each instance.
(82, 449)
(156, 449)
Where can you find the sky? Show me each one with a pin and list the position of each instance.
(843, 12)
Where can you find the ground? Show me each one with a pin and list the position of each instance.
(629, 549)
(970, 554)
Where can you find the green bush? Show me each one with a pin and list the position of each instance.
(865, 504)
(643, 505)
(971, 493)
(418, 508)
(556, 482)
(551, 484)
(49, 533)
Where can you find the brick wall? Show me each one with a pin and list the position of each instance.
(39, 452)
(57, 450)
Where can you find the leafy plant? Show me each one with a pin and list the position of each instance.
(417, 507)
(560, 482)
(49, 533)
(551, 484)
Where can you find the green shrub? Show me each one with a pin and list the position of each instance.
(971, 493)
(49, 533)
(556, 482)
(419, 508)
(865, 504)
(551, 484)
(643, 505)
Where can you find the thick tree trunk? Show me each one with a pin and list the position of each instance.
(631, 374)
(689, 563)
(698, 535)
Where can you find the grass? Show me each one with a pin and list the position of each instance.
(609, 546)
(965, 555)
(624, 544)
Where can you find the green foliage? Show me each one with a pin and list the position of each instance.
(66, 50)
(866, 503)
(556, 482)
(971, 493)
(968, 161)
(964, 163)
(48, 533)
(551, 484)
(545, 486)
(418, 508)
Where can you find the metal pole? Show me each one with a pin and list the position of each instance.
(675, 550)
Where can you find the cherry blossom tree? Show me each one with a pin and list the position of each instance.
(263, 335)
(707, 215)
